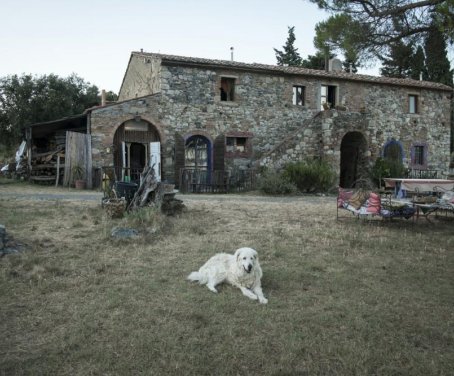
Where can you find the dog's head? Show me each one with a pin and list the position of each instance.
(246, 258)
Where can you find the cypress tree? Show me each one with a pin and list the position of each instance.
(418, 65)
(290, 55)
(437, 62)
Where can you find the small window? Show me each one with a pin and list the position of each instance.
(418, 155)
(299, 93)
(236, 144)
(227, 89)
(327, 97)
(413, 104)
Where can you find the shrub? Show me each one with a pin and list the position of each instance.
(386, 168)
(274, 183)
(311, 175)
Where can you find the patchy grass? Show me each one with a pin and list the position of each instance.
(347, 297)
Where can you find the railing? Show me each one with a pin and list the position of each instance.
(219, 181)
(423, 174)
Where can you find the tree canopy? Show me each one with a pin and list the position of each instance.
(29, 99)
(368, 27)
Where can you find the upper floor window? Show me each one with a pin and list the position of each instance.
(413, 104)
(327, 97)
(227, 89)
(299, 93)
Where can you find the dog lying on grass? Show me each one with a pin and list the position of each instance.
(242, 269)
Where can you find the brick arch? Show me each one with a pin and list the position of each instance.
(142, 132)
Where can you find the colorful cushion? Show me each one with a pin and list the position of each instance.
(373, 203)
(358, 199)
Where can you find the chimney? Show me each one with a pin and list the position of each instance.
(103, 98)
(231, 53)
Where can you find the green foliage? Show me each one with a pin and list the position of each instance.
(330, 35)
(29, 99)
(437, 62)
(316, 61)
(386, 168)
(78, 172)
(310, 175)
(418, 64)
(289, 55)
(373, 26)
(397, 63)
(275, 183)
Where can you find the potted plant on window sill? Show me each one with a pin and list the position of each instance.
(78, 175)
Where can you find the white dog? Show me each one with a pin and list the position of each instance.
(241, 269)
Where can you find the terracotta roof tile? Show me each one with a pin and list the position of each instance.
(295, 71)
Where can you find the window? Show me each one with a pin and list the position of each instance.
(227, 89)
(196, 153)
(419, 155)
(299, 93)
(327, 97)
(413, 104)
(236, 144)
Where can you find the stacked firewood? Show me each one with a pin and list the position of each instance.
(44, 165)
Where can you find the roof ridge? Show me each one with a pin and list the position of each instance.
(298, 71)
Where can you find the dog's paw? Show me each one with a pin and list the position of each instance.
(263, 300)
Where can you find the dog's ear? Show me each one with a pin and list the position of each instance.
(237, 254)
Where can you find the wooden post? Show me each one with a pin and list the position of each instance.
(58, 171)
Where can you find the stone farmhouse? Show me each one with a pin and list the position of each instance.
(183, 113)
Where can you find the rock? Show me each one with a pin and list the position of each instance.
(124, 233)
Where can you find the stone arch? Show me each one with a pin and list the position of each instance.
(354, 160)
(394, 151)
(132, 147)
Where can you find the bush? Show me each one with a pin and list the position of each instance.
(310, 176)
(386, 168)
(274, 183)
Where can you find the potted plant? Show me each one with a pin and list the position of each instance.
(78, 175)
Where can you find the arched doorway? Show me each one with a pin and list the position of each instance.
(353, 165)
(136, 145)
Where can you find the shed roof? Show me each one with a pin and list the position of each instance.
(276, 69)
(65, 124)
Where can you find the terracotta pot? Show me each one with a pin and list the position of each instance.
(80, 184)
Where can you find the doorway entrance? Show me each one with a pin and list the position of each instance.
(136, 145)
(353, 165)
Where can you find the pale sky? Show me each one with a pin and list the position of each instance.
(94, 38)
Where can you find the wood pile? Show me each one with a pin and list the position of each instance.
(48, 166)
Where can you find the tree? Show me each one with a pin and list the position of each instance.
(418, 65)
(437, 62)
(398, 62)
(29, 99)
(384, 22)
(330, 36)
(316, 61)
(289, 56)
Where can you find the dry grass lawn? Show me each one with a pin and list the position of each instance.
(345, 297)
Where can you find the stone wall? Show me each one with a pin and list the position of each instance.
(186, 100)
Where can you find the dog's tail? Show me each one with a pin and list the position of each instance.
(196, 276)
